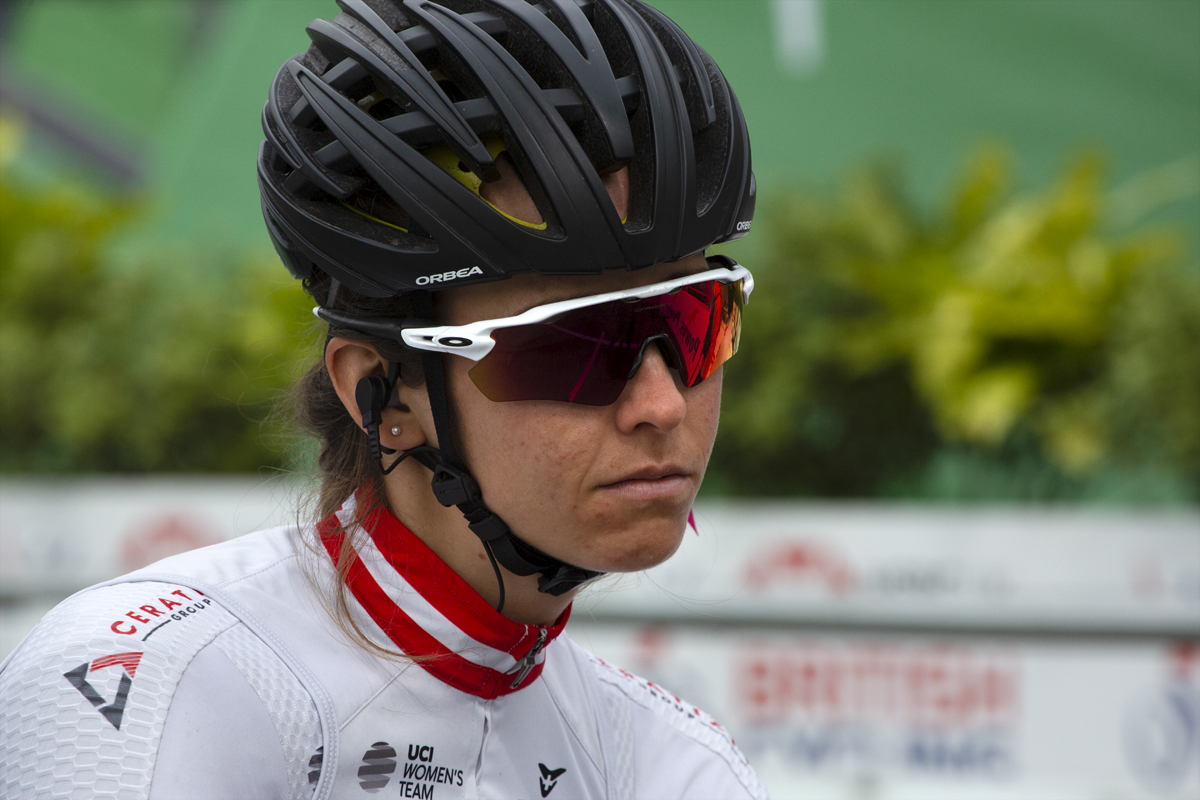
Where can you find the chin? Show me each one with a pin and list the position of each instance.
(636, 548)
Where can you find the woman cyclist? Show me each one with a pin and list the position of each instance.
(500, 209)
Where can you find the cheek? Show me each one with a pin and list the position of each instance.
(704, 411)
(536, 462)
(528, 455)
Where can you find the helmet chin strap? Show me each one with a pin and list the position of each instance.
(453, 484)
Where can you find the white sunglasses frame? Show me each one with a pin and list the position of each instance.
(474, 340)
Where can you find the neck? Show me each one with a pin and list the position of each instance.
(445, 532)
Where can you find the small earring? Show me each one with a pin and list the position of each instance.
(395, 430)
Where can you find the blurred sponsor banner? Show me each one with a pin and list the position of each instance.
(853, 650)
(59, 536)
(946, 568)
(888, 651)
(879, 716)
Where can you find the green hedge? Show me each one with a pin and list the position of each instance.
(171, 363)
(1014, 346)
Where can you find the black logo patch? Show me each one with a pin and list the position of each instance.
(114, 712)
(314, 765)
(551, 775)
(378, 765)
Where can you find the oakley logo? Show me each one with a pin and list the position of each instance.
(446, 277)
(741, 226)
(455, 341)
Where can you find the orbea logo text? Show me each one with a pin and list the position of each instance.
(444, 277)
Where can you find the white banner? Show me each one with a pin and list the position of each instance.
(958, 567)
(934, 718)
(972, 568)
(59, 536)
(862, 651)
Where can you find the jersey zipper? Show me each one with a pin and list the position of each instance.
(526, 663)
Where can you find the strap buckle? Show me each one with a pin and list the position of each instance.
(453, 486)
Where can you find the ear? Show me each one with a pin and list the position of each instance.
(350, 361)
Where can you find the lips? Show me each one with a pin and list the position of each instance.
(651, 473)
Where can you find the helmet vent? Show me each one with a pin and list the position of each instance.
(372, 202)
(712, 144)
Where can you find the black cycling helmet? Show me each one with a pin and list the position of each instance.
(379, 136)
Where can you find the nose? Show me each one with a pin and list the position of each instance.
(653, 396)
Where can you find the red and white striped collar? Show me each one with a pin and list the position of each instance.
(426, 609)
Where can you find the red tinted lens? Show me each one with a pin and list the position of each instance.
(585, 356)
(580, 357)
(704, 321)
(726, 328)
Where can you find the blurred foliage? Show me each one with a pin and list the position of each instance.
(170, 363)
(1016, 347)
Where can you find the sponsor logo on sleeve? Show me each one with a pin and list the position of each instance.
(158, 611)
(114, 710)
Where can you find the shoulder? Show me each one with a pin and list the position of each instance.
(142, 683)
(674, 744)
(233, 561)
(154, 610)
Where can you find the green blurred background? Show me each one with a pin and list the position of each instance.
(975, 247)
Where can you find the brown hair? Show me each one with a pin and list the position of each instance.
(344, 461)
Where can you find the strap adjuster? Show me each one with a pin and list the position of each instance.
(453, 487)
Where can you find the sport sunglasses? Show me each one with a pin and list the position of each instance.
(584, 350)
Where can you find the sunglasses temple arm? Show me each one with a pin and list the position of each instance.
(380, 327)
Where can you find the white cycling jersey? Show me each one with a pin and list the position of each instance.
(222, 674)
